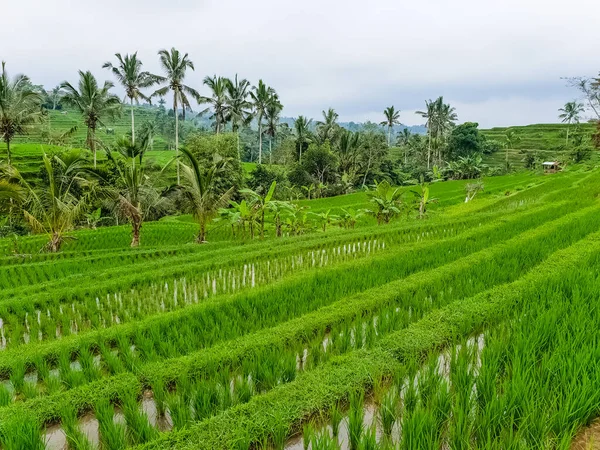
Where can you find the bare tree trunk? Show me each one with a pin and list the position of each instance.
(271, 150)
(389, 136)
(132, 124)
(260, 140)
(55, 242)
(136, 226)
(92, 143)
(176, 137)
(429, 152)
(201, 239)
(567, 141)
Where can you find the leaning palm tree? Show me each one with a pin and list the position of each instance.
(238, 108)
(327, 127)
(129, 74)
(54, 209)
(570, 113)
(20, 107)
(94, 103)
(218, 99)
(272, 124)
(392, 117)
(175, 66)
(199, 191)
(262, 96)
(303, 134)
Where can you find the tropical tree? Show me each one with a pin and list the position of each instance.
(303, 134)
(404, 142)
(133, 193)
(20, 107)
(260, 204)
(387, 201)
(130, 75)
(217, 100)
(54, 96)
(392, 117)
(199, 191)
(511, 139)
(347, 150)
(327, 128)
(423, 199)
(11, 192)
(272, 124)
(570, 113)
(94, 103)
(262, 96)
(238, 108)
(175, 66)
(55, 208)
(429, 115)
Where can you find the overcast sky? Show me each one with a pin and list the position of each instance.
(498, 62)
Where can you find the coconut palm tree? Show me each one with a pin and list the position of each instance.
(175, 67)
(238, 110)
(262, 96)
(327, 128)
(218, 99)
(510, 140)
(54, 209)
(392, 117)
(199, 191)
(347, 150)
(272, 124)
(404, 141)
(303, 134)
(129, 74)
(20, 107)
(428, 114)
(93, 103)
(569, 114)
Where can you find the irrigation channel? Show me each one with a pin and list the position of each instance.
(436, 333)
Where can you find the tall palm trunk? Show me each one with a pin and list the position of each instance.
(91, 142)
(270, 150)
(389, 136)
(259, 141)
(132, 123)
(567, 141)
(176, 136)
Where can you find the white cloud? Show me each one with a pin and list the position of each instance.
(357, 57)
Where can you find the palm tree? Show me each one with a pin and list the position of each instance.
(392, 117)
(94, 104)
(327, 127)
(260, 204)
(303, 134)
(404, 141)
(510, 140)
(55, 208)
(175, 66)
(199, 190)
(54, 96)
(272, 124)
(218, 99)
(428, 114)
(238, 108)
(129, 74)
(20, 107)
(347, 150)
(261, 96)
(133, 193)
(570, 113)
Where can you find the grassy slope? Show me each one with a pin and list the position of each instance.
(547, 140)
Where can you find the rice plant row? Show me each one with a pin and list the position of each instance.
(272, 417)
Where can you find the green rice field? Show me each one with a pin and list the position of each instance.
(475, 327)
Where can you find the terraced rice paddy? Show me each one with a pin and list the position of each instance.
(474, 328)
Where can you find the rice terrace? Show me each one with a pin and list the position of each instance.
(186, 263)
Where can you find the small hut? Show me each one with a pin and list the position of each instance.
(551, 166)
